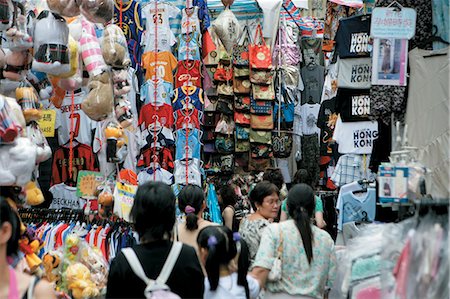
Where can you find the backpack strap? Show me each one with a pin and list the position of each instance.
(135, 264)
(170, 263)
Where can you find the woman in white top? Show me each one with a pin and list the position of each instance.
(191, 201)
(219, 250)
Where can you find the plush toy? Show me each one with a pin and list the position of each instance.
(43, 150)
(66, 8)
(121, 84)
(114, 141)
(51, 37)
(99, 102)
(74, 81)
(93, 259)
(16, 64)
(17, 162)
(33, 194)
(90, 50)
(18, 36)
(41, 83)
(30, 246)
(123, 112)
(6, 14)
(79, 282)
(29, 102)
(115, 48)
(52, 262)
(72, 246)
(10, 126)
(58, 92)
(97, 11)
(2, 60)
(15, 112)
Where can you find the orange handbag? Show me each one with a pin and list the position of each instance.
(259, 52)
(242, 118)
(223, 73)
(242, 85)
(261, 122)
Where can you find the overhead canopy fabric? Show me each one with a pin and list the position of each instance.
(243, 9)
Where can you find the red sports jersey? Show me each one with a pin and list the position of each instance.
(188, 70)
(164, 155)
(83, 159)
(182, 117)
(163, 114)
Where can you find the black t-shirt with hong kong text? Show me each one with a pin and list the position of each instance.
(353, 104)
(326, 121)
(353, 37)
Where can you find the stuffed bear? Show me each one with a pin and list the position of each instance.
(29, 102)
(99, 102)
(115, 48)
(51, 37)
(90, 50)
(79, 282)
(33, 194)
(97, 11)
(17, 162)
(66, 8)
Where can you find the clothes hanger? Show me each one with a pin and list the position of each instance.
(433, 38)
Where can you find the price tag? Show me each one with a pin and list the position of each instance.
(47, 122)
(390, 22)
(87, 183)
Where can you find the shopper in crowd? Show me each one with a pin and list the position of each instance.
(153, 214)
(13, 283)
(308, 261)
(191, 201)
(275, 176)
(219, 250)
(228, 199)
(265, 202)
(302, 176)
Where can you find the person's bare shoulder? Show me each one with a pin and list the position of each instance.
(44, 290)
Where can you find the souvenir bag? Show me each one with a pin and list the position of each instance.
(241, 118)
(259, 164)
(209, 147)
(241, 159)
(240, 49)
(212, 104)
(242, 103)
(224, 106)
(241, 72)
(227, 28)
(289, 52)
(261, 151)
(261, 107)
(227, 163)
(225, 89)
(208, 136)
(263, 92)
(286, 115)
(276, 271)
(242, 133)
(264, 77)
(213, 57)
(242, 146)
(259, 52)
(225, 126)
(225, 144)
(264, 137)
(282, 144)
(242, 85)
(210, 119)
(224, 73)
(261, 122)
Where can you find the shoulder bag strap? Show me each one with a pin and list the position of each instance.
(170, 263)
(135, 265)
(31, 286)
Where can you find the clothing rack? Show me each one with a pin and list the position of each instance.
(39, 215)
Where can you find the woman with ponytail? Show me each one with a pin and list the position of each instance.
(191, 202)
(308, 261)
(219, 249)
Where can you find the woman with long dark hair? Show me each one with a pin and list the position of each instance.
(308, 261)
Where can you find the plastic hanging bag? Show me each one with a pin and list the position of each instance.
(227, 28)
(19, 36)
(213, 204)
(115, 48)
(10, 125)
(97, 11)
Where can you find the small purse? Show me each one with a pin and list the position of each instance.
(259, 53)
(241, 72)
(261, 151)
(242, 118)
(242, 133)
(282, 144)
(224, 144)
(225, 89)
(242, 103)
(264, 137)
(225, 107)
(227, 163)
(242, 85)
(210, 119)
(264, 77)
(261, 107)
(261, 122)
(242, 146)
(240, 49)
(276, 271)
(223, 73)
(225, 126)
(263, 92)
(208, 136)
(212, 104)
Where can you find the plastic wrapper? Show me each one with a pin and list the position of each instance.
(121, 84)
(98, 104)
(75, 81)
(90, 50)
(116, 149)
(66, 8)
(19, 37)
(34, 133)
(41, 83)
(28, 100)
(98, 11)
(51, 38)
(16, 64)
(105, 197)
(115, 48)
(227, 28)
(12, 121)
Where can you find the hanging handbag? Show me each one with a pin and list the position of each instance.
(227, 163)
(241, 72)
(209, 147)
(224, 106)
(225, 89)
(261, 107)
(242, 146)
(259, 52)
(264, 77)
(213, 56)
(225, 144)
(242, 103)
(223, 73)
(259, 164)
(264, 137)
(261, 151)
(276, 271)
(285, 53)
(242, 133)
(282, 144)
(263, 92)
(242, 118)
(261, 122)
(212, 104)
(242, 86)
(210, 119)
(240, 49)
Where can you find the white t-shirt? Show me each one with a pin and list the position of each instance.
(164, 37)
(161, 17)
(194, 175)
(190, 21)
(160, 175)
(229, 288)
(308, 115)
(65, 197)
(355, 137)
(82, 124)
